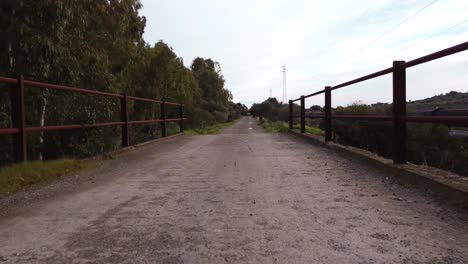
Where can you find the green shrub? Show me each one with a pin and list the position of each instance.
(281, 127)
(208, 130)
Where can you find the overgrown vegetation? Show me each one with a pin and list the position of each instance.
(98, 45)
(272, 110)
(274, 127)
(274, 117)
(310, 129)
(19, 176)
(209, 130)
(282, 126)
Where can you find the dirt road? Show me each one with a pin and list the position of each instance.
(242, 196)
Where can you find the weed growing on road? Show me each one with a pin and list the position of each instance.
(274, 127)
(208, 130)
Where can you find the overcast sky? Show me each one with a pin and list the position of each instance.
(322, 42)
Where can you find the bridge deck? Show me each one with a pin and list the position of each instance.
(242, 196)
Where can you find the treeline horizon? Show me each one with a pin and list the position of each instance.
(98, 45)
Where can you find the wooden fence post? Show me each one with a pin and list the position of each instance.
(399, 113)
(328, 113)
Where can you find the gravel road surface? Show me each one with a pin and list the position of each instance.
(243, 196)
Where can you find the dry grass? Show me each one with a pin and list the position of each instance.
(19, 176)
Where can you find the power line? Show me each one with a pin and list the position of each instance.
(360, 50)
(367, 10)
(435, 35)
(333, 43)
(412, 45)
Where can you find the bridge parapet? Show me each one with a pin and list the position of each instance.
(399, 117)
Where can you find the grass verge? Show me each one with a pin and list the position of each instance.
(281, 127)
(208, 130)
(19, 176)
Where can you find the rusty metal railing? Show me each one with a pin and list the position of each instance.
(399, 117)
(20, 128)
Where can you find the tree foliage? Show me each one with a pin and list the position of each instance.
(273, 110)
(98, 45)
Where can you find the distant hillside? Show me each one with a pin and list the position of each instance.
(452, 100)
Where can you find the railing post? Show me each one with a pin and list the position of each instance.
(291, 118)
(328, 113)
(18, 118)
(124, 119)
(398, 113)
(163, 118)
(181, 115)
(302, 114)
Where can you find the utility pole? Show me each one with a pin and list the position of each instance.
(285, 92)
(271, 93)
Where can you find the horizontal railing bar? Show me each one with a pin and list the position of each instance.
(143, 99)
(309, 95)
(6, 131)
(170, 103)
(313, 94)
(64, 127)
(71, 89)
(86, 91)
(418, 119)
(364, 78)
(437, 119)
(436, 55)
(154, 121)
(8, 80)
(315, 116)
(449, 112)
(441, 112)
(175, 119)
(362, 117)
(138, 122)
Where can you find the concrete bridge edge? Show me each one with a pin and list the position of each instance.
(438, 183)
